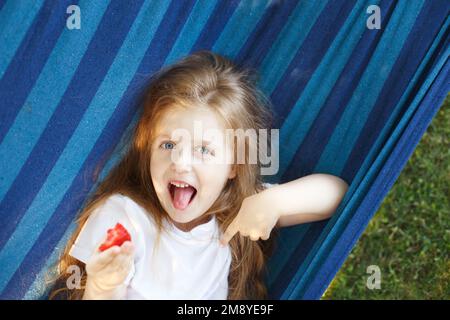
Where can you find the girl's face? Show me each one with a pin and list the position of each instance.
(189, 165)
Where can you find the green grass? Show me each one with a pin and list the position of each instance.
(409, 237)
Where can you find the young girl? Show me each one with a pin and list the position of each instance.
(194, 215)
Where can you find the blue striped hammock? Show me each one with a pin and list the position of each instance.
(350, 100)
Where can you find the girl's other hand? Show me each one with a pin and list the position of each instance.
(109, 269)
(256, 218)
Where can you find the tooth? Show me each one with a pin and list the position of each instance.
(180, 185)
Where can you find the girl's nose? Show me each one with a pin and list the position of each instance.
(181, 160)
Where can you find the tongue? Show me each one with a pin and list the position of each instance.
(182, 196)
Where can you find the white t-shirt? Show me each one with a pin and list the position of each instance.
(186, 265)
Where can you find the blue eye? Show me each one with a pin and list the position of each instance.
(167, 145)
(204, 150)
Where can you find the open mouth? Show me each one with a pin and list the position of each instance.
(181, 194)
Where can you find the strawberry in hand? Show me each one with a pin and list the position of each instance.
(115, 237)
(110, 266)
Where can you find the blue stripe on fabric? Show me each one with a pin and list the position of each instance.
(201, 11)
(15, 19)
(239, 27)
(66, 209)
(364, 97)
(216, 22)
(288, 43)
(265, 34)
(2, 3)
(309, 56)
(297, 76)
(59, 130)
(39, 290)
(286, 243)
(29, 59)
(48, 90)
(384, 181)
(314, 137)
(289, 274)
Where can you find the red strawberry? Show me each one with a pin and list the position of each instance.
(115, 237)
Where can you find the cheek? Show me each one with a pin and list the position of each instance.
(153, 167)
(157, 168)
(157, 176)
(213, 178)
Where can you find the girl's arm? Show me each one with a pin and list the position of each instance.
(307, 199)
(311, 198)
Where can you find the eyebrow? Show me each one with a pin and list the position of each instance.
(165, 135)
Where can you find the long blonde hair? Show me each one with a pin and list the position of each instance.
(207, 79)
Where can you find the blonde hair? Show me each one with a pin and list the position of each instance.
(200, 79)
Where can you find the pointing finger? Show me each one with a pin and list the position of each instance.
(254, 236)
(229, 233)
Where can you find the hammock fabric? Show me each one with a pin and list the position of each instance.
(349, 101)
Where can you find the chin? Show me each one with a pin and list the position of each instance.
(181, 216)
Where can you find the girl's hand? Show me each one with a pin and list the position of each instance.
(109, 269)
(256, 219)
